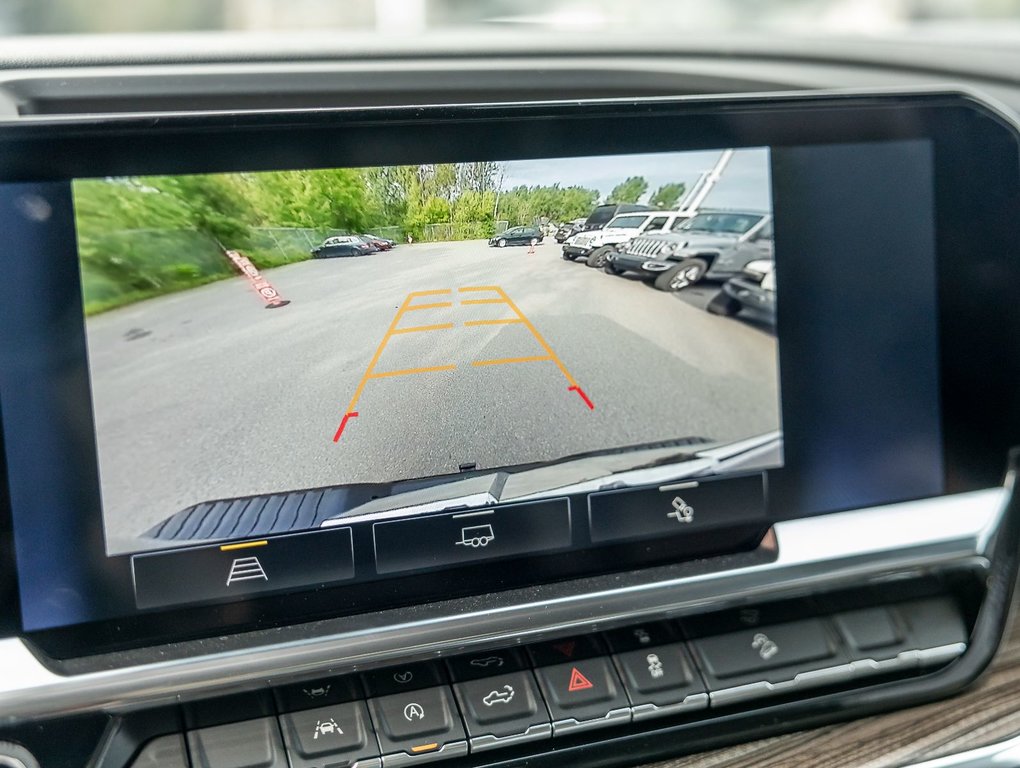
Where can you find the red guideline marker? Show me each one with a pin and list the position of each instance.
(579, 391)
(343, 423)
(578, 682)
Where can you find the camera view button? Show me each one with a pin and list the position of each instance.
(236, 570)
(676, 509)
(431, 541)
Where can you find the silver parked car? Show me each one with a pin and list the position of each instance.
(712, 244)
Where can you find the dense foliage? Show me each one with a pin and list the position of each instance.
(144, 236)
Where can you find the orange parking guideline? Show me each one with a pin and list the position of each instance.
(506, 321)
(409, 371)
(434, 305)
(538, 337)
(481, 301)
(505, 360)
(407, 306)
(423, 328)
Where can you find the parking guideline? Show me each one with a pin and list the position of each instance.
(500, 298)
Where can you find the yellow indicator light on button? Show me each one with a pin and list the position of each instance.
(425, 748)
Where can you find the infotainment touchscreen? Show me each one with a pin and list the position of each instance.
(271, 352)
(274, 368)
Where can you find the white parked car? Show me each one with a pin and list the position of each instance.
(595, 246)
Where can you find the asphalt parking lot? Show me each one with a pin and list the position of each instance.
(449, 354)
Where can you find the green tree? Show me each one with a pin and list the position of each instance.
(628, 191)
(477, 177)
(667, 196)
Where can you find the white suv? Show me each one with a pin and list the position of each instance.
(596, 245)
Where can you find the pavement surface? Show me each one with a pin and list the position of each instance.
(449, 354)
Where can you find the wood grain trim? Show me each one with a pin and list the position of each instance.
(987, 713)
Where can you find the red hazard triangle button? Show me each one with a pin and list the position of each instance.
(578, 682)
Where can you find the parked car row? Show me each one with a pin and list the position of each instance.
(351, 245)
(673, 250)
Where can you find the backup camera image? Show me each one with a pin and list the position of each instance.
(285, 351)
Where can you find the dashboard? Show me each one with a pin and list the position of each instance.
(529, 426)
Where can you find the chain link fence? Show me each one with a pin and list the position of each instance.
(458, 230)
(125, 266)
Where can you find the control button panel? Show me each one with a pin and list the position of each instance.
(336, 735)
(869, 630)
(503, 709)
(508, 530)
(661, 680)
(681, 508)
(407, 677)
(583, 694)
(567, 649)
(760, 649)
(416, 724)
(242, 569)
(248, 744)
(935, 624)
(640, 636)
(486, 664)
(317, 693)
(770, 659)
(163, 752)
(428, 711)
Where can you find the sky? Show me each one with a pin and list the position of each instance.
(745, 183)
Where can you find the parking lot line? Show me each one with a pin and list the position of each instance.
(505, 360)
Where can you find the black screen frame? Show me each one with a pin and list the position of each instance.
(975, 147)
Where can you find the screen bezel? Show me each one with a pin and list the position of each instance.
(975, 148)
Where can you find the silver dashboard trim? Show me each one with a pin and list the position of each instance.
(1005, 754)
(811, 553)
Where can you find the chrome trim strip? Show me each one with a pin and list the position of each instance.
(1005, 754)
(813, 553)
(926, 657)
(693, 702)
(572, 725)
(533, 733)
(453, 749)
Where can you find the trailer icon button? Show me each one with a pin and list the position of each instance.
(483, 533)
(476, 536)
